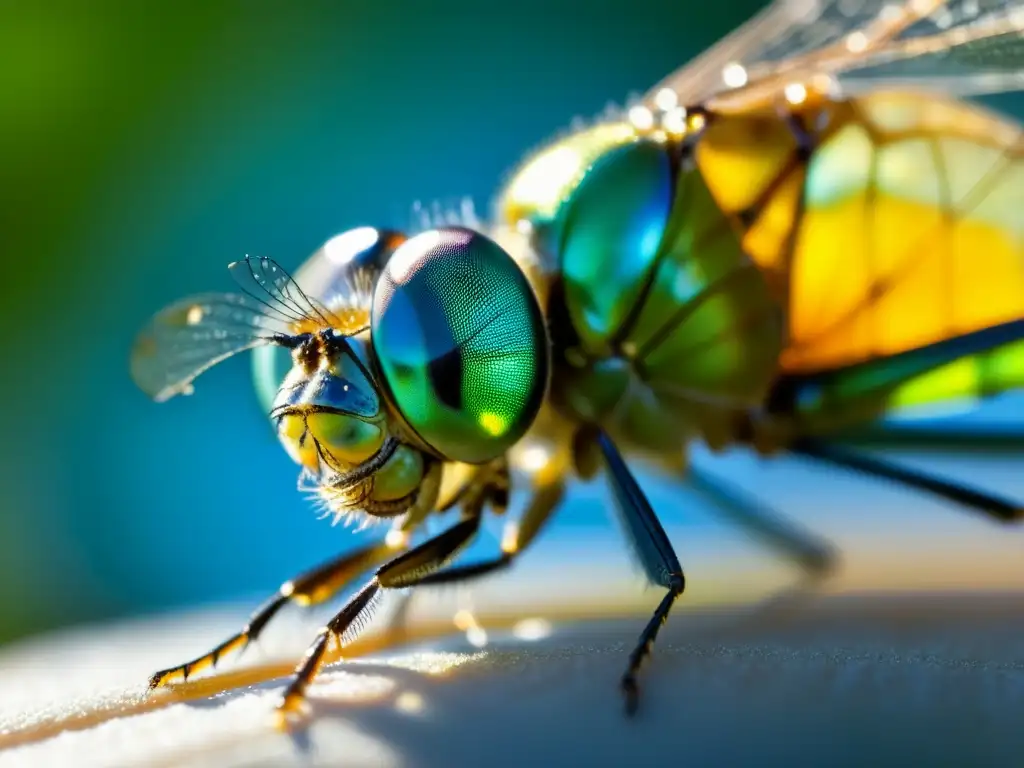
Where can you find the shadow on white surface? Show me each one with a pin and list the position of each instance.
(893, 680)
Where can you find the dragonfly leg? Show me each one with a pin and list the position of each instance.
(814, 555)
(952, 439)
(653, 550)
(517, 537)
(405, 570)
(996, 508)
(311, 588)
(545, 497)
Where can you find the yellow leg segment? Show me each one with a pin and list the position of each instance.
(310, 588)
(406, 570)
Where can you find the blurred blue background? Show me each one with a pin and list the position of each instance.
(143, 147)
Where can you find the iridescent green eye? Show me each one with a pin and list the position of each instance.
(460, 339)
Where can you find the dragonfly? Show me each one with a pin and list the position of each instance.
(808, 227)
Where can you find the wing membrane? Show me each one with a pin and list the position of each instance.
(908, 274)
(267, 283)
(1003, 52)
(195, 333)
(701, 78)
(966, 47)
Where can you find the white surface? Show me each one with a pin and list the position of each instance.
(841, 681)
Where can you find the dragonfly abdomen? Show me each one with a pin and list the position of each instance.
(906, 256)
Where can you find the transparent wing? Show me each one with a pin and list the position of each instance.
(966, 47)
(268, 284)
(193, 334)
(700, 79)
(949, 52)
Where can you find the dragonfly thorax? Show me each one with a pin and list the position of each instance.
(662, 326)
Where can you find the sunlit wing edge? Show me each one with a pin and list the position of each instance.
(194, 334)
(703, 81)
(701, 77)
(268, 283)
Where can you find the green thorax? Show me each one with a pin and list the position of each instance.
(660, 321)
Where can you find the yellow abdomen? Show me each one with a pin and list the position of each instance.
(904, 227)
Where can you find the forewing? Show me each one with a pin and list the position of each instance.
(193, 334)
(698, 80)
(967, 47)
(960, 48)
(270, 286)
(189, 336)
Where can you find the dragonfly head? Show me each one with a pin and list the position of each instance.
(452, 366)
(330, 418)
(434, 349)
(327, 410)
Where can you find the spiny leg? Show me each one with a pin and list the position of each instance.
(321, 583)
(999, 509)
(494, 492)
(403, 571)
(311, 588)
(651, 547)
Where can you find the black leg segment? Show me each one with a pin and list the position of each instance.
(405, 570)
(996, 508)
(653, 551)
(544, 500)
(311, 588)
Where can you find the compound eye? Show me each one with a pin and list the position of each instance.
(461, 342)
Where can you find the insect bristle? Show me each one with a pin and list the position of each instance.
(443, 213)
(362, 619)
(351, 305)
(343, 505)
